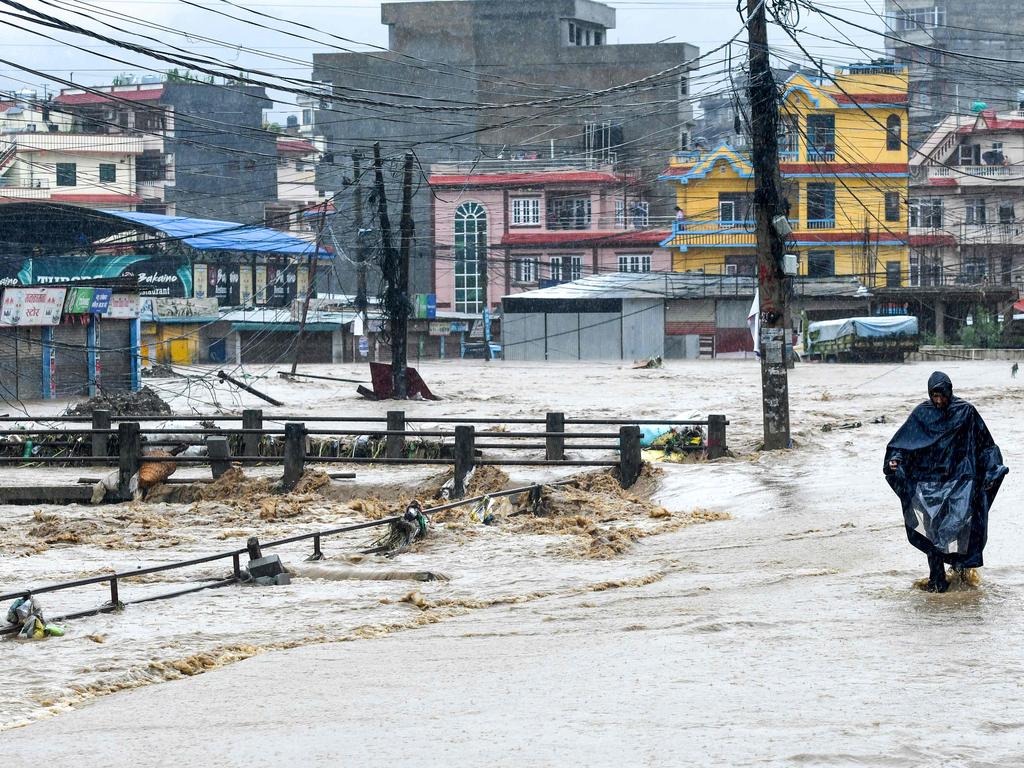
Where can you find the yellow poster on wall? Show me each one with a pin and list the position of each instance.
(199, 281)
(245, 284)
(301, 282)
(261, 284)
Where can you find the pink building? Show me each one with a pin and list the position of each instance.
(532, 227)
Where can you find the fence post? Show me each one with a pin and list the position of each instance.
(100, 443)
(218, 451)
(252, 418)
(395, 444)
(465, 458)
(294, 455)
(554, 445)
(716, 436)
(129, 450)
(630, 458)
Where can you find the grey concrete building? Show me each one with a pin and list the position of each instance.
(934, 36)
(225, 163)
(457, 55)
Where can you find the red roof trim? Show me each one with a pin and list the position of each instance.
(5, 105)
(942, 182)
(831, 168)
(150, 94)
(926, 240)
(68, 198)
(677, 170)
(526, 179)
(896, 99)
(620, 238)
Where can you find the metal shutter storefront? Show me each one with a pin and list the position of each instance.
(279, 347)
(69, 342)
(115, 354)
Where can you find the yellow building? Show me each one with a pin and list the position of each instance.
(844, 162)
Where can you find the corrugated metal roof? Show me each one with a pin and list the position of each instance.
(685, 285)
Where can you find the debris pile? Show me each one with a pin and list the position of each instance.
(602, 519)
(257, 496)
(27, 613)
(159, 371)
(145, 402)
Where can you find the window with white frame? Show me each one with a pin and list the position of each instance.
(566, 268)
(525, 211)
(975, 210)
(634, 262)
(470, 256)
(620, 214)
(525, 269)
(574, 266)
(919, 18)
(926, 212)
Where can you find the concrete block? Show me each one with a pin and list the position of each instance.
(266, 566)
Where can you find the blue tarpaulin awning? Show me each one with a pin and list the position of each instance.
(212, 235)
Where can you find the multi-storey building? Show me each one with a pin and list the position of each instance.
(502, 230)
(844, 167)
(299, 207)
(955, 58)
(967, 202)
(88, 170)
(204, 150)
(459, 56)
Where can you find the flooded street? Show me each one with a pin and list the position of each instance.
(770, 620)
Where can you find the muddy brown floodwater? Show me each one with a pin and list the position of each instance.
(756, 611)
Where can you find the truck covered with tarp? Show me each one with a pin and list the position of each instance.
(864, 339)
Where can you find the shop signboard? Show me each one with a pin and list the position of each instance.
(100, 300)
(199, 280)
(425, 306)
(123, 306)
(78, 301)
(167, 308)
(32, 306)
(439, 329)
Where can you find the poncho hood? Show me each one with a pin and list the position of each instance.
(941, 383)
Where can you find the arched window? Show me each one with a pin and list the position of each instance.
(893, 133)
(470, 257)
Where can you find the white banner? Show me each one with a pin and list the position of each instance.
(32, 306)
(123, 306)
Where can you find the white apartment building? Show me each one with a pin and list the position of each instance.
(66, 167)
(966, 202)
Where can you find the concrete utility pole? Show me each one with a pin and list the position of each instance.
(394, 302)
(769, 208)
(357, 211)
(310, 282)
(400, 320)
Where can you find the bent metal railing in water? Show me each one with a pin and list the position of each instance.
(115, 579)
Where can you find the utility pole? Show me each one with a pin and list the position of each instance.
(400, 319)
(769, 207)
(357, 210)
(484, 267)
(310, 278)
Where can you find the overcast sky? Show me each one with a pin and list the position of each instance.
(704, 23)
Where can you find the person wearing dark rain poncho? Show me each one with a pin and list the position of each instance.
(946, 469)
